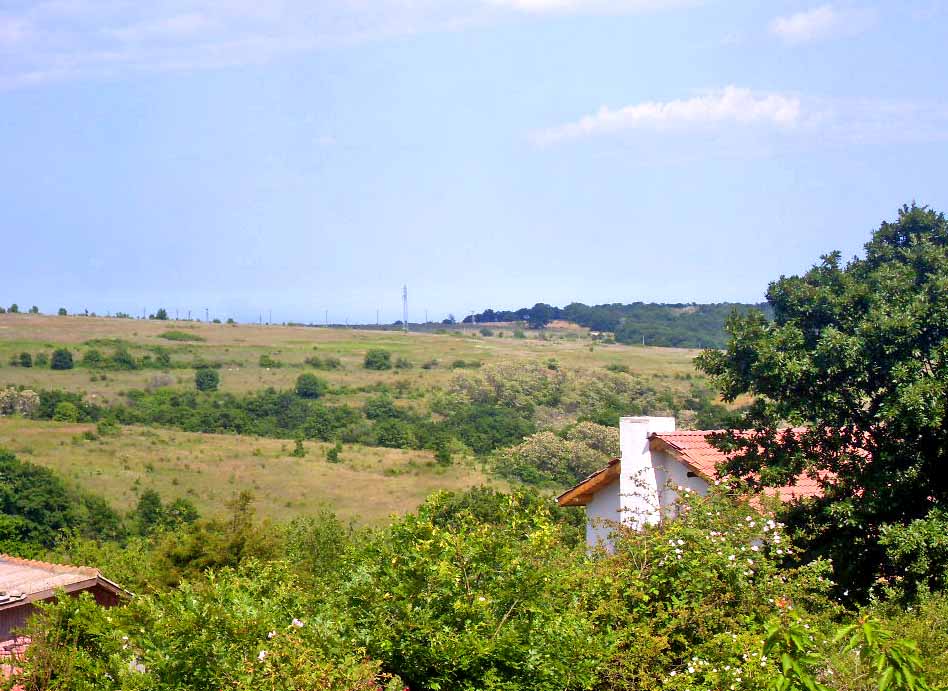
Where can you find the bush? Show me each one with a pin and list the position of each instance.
(161, 314)
(62, 359)
(310, 386)
(324, 363)
(41, 360)
(333, 454)
(484, 331)
(518, 333)
(546, 458)
(395, 434)
(62, 312)
(92, 358)
(268, 362)
(66, 411)
(403, 363)
(377, 359)
(122, 359)
(180, 336)
(206, 379)
(26, 360)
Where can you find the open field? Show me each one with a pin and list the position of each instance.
(239, 347)
(366, 487)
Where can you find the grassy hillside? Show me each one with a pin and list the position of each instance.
(367, 486)
(239, 349)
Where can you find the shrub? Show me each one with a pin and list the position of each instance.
(14, 309)
(206, 379)
(180, 336)
(377, 359)
(161, 314)
(310, 386)
(545, 457)
(333, 454)
(62, 312)
(34, 310)
(41, 360)
(26, 360)
(92, 358)
(62, 359)
(299, 451)
(267, 362)
(518, 333)
(403, 363)
(324, 363)
(486, 606)
(484, 331)
(395, 434)
(66, 411)
(122, 359)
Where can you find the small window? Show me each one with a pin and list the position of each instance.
(691, 474)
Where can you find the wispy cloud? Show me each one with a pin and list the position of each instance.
(46, 40)
(822, 23)
(731, 106)
(738, 121)
(591, 6)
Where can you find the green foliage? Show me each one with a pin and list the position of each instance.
(403, 363)
(244, 629)
(92, 358)
(859, 354)
(545, 458)
(25, 360)
(299, 451)
(484, 427)
(377, 359)
(180, 336)
(485, 332)
(62, 359)
(206, 379)
(14, 309)
(36, 505)
(62, 312)
(41, 360)
(161, 314)
(333, 454)
(310, 386)
(268, 362)
(66, 411)
(471, 605)
(918, 552)
(122, 359)
(34, 310)
(327, 362)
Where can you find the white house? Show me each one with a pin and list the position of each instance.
(641, 487)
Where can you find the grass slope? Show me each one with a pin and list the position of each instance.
(366, 487)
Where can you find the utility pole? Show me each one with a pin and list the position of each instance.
(270, 318)
(405, 308)
(426, 315)
(327, 317)
(189, 315)
(207, 315)
(377, 320)
(176, 314)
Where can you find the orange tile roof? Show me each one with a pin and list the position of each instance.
(25, 580)
(693, 448)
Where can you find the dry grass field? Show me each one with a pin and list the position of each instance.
(239, 347)
(367, 486)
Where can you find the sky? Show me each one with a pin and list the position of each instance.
(301, 156)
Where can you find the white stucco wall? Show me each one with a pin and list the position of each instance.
(671, 475)
(648, 485)
(602, 513)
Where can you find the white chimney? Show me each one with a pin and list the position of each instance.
(638, 487)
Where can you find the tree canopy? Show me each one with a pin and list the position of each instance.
(856, 356)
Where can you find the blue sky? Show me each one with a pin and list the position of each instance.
(312, 156)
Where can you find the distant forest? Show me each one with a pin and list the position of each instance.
(678, 325)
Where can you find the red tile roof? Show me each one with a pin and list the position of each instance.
(694, 449)
(25, 580)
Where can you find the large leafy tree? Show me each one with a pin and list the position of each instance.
(856, 356)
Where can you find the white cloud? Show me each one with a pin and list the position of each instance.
(821, 23)
(731, 106)
(176, 27)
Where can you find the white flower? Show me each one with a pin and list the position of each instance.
(730, 557)
(297, 623)
(262, 655)
(271, 635)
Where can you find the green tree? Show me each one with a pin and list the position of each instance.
(206, 379)
(377, 359)
(62, 359)
(856, 356)
(26, 360)
(14, 309)
(62, 312)
(34, 310)
(161, 314)
(310, 386)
